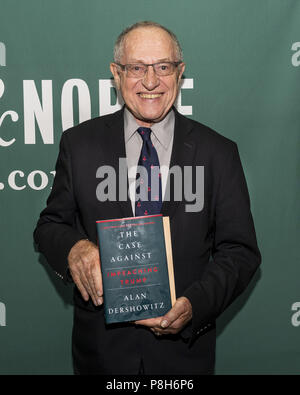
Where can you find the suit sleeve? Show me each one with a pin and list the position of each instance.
(55, 233)
(234, 257)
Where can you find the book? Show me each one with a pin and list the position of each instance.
(137, 267)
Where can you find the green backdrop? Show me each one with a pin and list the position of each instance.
(242, 79)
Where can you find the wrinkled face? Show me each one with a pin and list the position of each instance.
(149, 98)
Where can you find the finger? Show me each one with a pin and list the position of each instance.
(98, 300)
(156, 333)
(150, 322)
(178, 324)
(81, 288)
(92, 292)
(81, 259)
(94, 278)
(172, 315)
(85, 281)
(97, 281)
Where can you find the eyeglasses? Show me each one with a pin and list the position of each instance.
(138, 70)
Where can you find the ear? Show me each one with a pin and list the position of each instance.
(115, 72)
(181, 71)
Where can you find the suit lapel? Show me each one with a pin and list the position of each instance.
(115, 145)
(182, 155)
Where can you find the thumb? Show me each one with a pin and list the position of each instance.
(168, 318)
(172, 315)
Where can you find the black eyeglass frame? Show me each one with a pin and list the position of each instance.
(123, 66)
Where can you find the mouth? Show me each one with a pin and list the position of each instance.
(150, 95)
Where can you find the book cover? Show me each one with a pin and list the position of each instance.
(137, 267)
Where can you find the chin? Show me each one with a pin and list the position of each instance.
(152, 116)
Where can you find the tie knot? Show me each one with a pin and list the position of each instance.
(144, 133)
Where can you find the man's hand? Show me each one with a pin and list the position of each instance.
(172, 322)
(84, 265)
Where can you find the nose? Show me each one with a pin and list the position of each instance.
(150, 80)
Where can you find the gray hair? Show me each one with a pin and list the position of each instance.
(119, 45)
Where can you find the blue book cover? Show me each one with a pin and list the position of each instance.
(137, 268)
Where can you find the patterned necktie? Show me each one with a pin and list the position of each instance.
(148, 181)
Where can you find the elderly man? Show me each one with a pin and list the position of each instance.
(215, 252)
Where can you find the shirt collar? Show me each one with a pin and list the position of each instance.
(163, 130)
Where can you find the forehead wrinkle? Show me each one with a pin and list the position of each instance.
(157, 61)
(155, 39)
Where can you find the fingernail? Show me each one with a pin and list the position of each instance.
(99, 293)
(99, 301)
(164, 324)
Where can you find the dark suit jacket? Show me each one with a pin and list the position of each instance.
(215, 251)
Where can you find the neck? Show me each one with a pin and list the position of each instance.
(144, 124)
